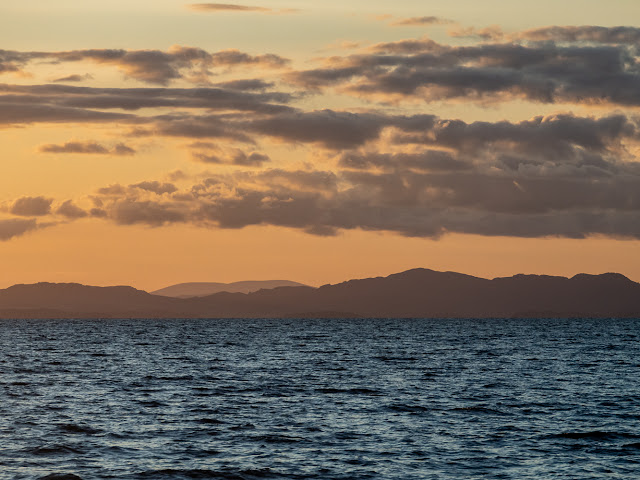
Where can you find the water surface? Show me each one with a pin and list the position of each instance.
(320, 399)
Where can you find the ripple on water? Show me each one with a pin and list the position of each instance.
(319, 399)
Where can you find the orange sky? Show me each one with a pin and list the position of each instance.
(305, 142)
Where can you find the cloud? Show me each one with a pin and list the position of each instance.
(73, 78)
(234, 57)
(15, 227)
(21, 112)
(499, 72)
(152, 213)
(558, 175)
(208, 152)
(149, 66)
(331, 129)
(227, 7)
(407, 203)
(71, 211)
(493, 33)
(31, 206)
(231, 156)
(69, 100)
(87, 148)
(584, 33)
(155, 187)
(249, 84)
(420, 21)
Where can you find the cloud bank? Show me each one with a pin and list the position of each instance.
(373, 167)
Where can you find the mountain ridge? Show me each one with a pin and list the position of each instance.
(417, 292)
(202, 289)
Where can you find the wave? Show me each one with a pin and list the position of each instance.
(350, 391)
(217, 475)
(78, 429)
(61, 476)
(596, 435)
(55, 450)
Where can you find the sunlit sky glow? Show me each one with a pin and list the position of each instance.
(156, 142)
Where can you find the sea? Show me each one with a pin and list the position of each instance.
(320, 399)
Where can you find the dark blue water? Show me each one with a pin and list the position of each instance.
(320, 399)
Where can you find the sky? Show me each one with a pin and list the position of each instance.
(154, 142)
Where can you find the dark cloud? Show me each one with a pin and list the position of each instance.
(15, 227)
(149, 66)
(31, 206)
(539, 72)
(156, 214)
(559, 175)
(584, 33)
(406, 202)
(73, 97)
(12, 112)
(88, 148)
(331, 129)
(160, 67)
(71, 211)
(428, 160)
(249, 84)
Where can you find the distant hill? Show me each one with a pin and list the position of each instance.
(414, 293)
(202, 289)
(73, 299)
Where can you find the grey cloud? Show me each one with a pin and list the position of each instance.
(204, 126)
(558, 175)
(331, 129)
(150, 66)
(115, 189)
(428, 160)
(212, 153)
(248, 84)
(31, 206)
(15, 227)
(22, 112)
(583, 33)
(65, 96)
(71, 211)
(98, 213)
(415, 204)
(155, 187)
(88, 148)
(130, 212)
(236, 57)
(543, 72)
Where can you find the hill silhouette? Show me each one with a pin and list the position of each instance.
(414, 293)
(202, 289)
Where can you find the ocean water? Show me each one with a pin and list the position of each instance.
(320, 399)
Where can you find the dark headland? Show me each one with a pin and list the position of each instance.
(415, 293)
